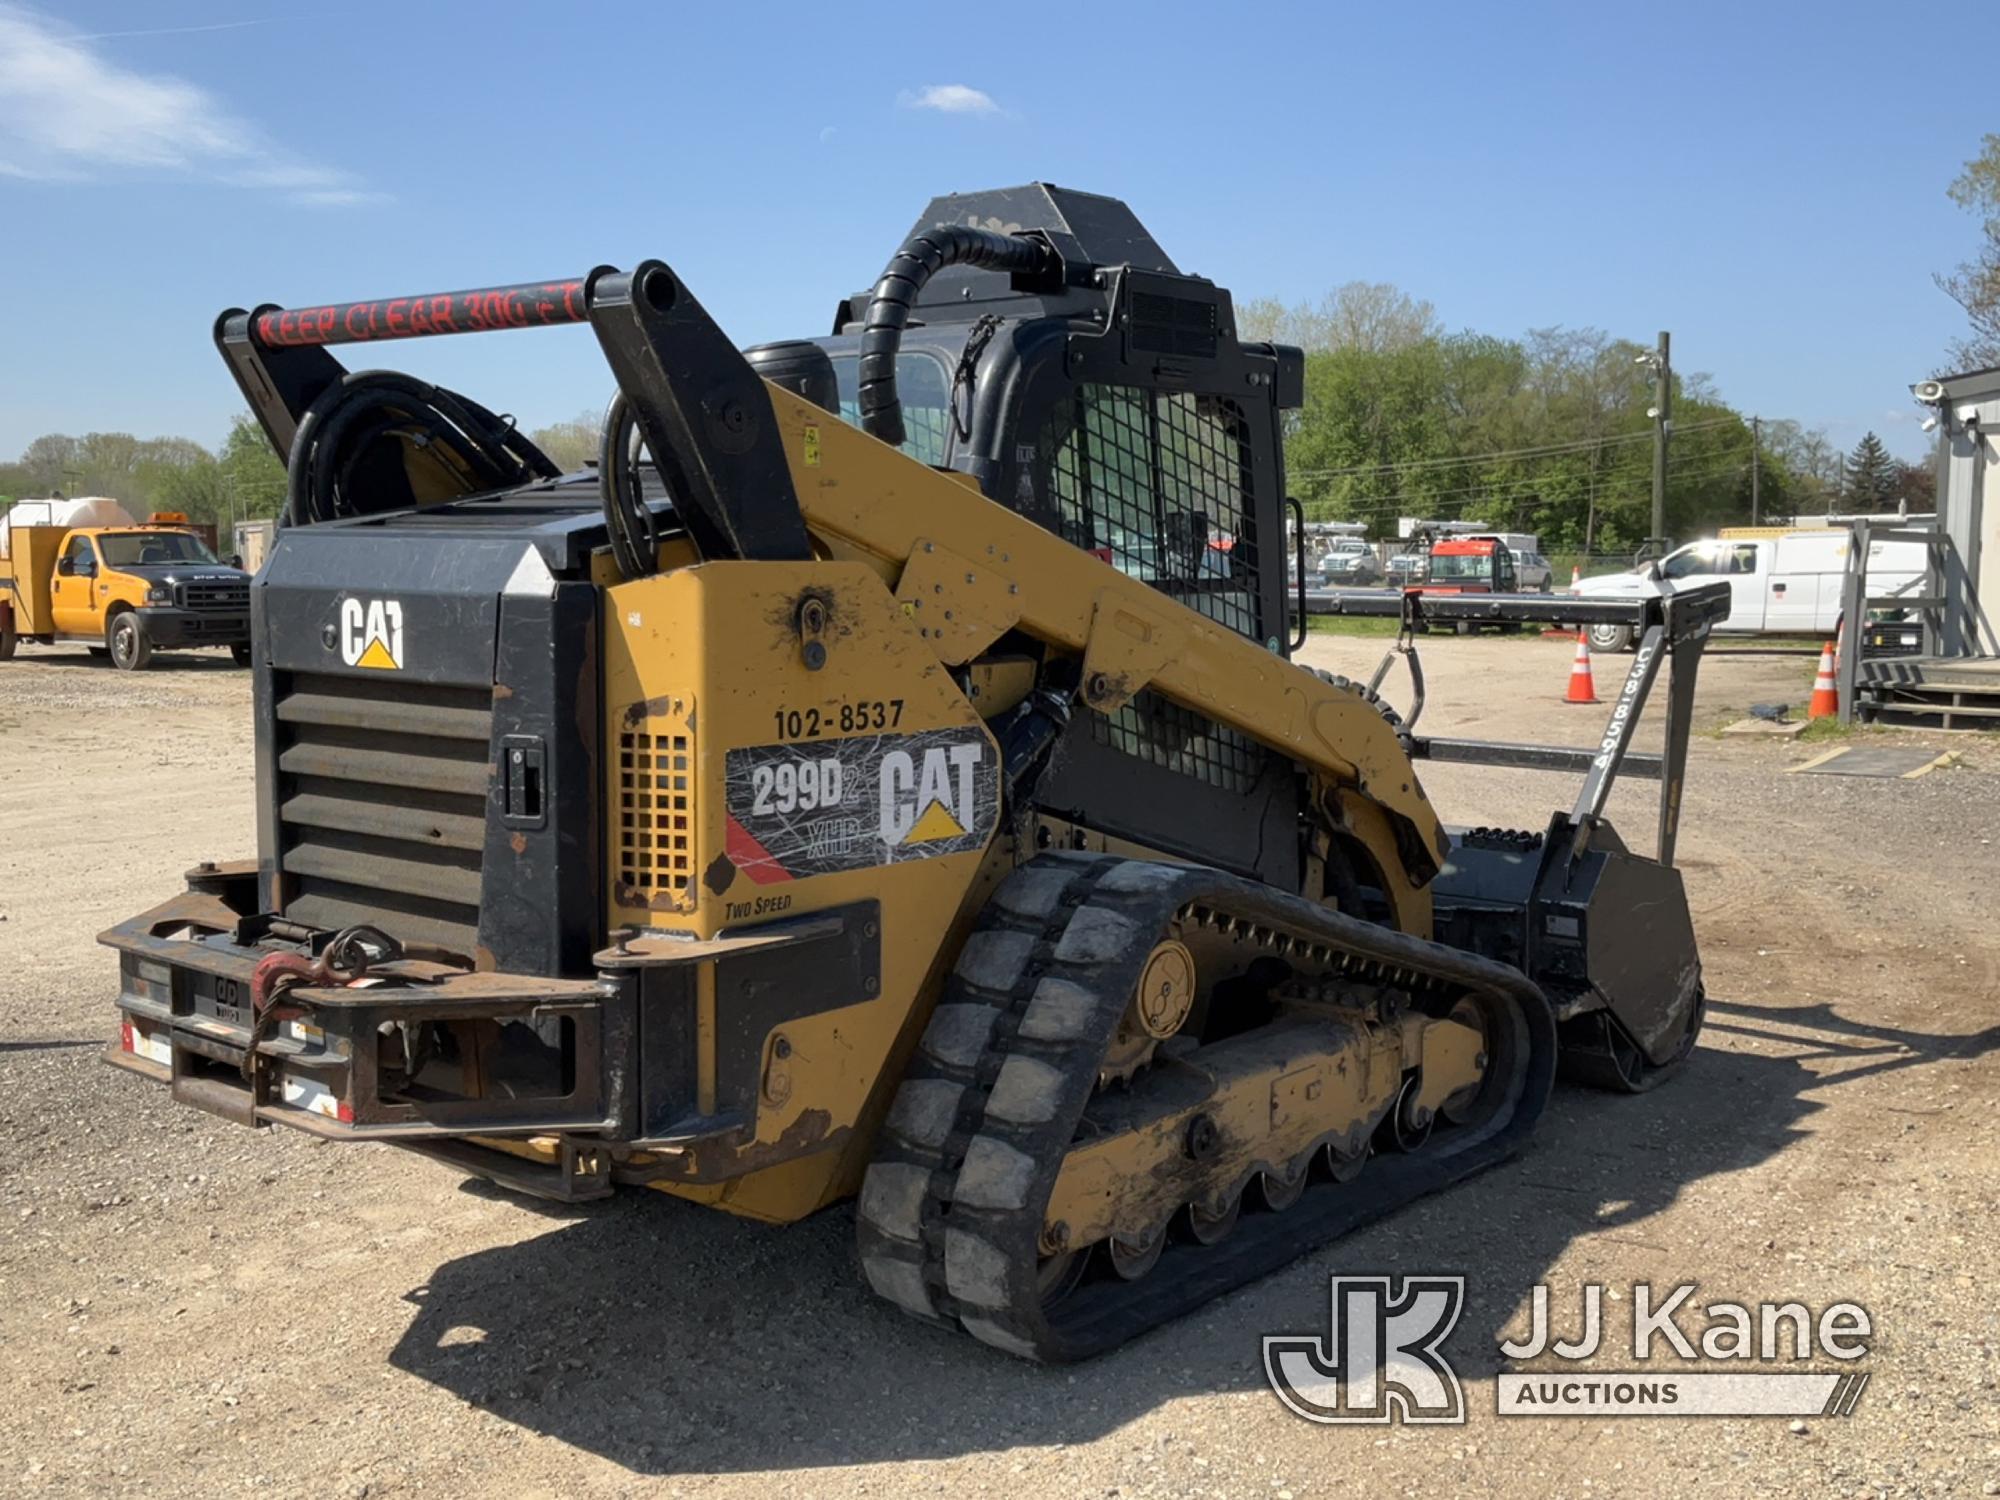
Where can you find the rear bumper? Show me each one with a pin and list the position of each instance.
(615, 1075)
(167, 626)
(330, 1060)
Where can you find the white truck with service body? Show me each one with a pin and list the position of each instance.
(1780, 582)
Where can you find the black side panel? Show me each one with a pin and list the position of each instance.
(400, 675)
(1134, 776)
(540, 907)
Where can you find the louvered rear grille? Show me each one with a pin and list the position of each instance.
(218, 595)
(382, 791)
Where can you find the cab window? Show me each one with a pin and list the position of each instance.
(1477, 566)
(924, 390)
(80, 560)
(124, 549)
(1696, 562)
(1712, 562)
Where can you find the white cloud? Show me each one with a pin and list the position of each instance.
(67, 113)
(950, 99)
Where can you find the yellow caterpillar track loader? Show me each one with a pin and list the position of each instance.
(883, 775)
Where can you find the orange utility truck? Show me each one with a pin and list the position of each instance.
(85, 571)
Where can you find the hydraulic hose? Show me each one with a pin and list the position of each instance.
(480, 450)
(923, 255)
(634, 539)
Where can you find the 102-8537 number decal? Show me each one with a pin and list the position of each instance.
(844, 718)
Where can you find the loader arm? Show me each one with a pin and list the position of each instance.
(971, 569)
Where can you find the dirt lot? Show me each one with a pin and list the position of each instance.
(200, 1309)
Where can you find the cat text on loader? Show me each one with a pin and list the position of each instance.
(884, 775)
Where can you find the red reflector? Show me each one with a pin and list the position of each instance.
(344, 1112)
(125, 1043)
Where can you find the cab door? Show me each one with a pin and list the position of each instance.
(73, 606)
(1505, 579)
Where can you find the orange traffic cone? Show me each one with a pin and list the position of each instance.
(1575, 576)
(1582, 686)
(1826, 696)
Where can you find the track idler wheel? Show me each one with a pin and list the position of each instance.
(1280, 1190)
(1131, 1259)
(1208, 1225)
(1408, 1124)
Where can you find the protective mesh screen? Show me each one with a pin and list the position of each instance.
(1158, 484)
(1166, 734)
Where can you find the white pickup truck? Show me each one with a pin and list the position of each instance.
(1789, 583)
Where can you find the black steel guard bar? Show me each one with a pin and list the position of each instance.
(527, 304)
(1692, 609)
(704, 412)
(1672, 628)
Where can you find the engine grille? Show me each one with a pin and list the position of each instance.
(382, 789)
(214, 595)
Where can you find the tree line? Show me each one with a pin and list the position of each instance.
(1549, 433)
(241, 479)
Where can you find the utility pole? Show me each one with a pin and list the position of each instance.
(1756, 446)
(1663, 422)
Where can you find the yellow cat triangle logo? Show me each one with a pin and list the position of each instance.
(935, 825)
(377, 656)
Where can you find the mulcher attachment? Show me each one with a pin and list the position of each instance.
(1605, 932)
(1008, 1089)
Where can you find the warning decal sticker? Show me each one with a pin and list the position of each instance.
(817, 806)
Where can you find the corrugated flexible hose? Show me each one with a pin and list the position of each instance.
(923, 255)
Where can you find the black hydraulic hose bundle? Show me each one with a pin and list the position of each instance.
(481, 450)
(634, 538)
(923, 255)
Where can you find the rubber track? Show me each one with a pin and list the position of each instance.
(951, 1210)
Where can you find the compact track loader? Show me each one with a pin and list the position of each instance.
(884, 775)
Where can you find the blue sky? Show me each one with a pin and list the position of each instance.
(1765, 180)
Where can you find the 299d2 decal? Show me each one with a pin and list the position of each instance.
(852, 804)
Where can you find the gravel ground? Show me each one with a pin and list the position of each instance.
(194, 1308)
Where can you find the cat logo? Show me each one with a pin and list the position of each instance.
(932, 801)
(371, 635)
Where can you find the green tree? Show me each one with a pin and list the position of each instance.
(571, 444)
(1371, 316)
(252, 476)
(1916, 486)
(1975, 284)
(1871, 475)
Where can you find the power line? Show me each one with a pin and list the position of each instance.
(1575, 446)
(1451, 507)
(1501, 488)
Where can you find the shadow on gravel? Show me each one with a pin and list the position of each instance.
(51, 1046)
(675, 1340)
